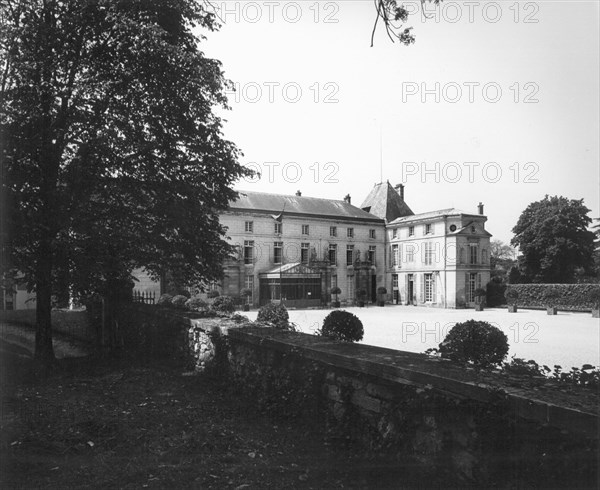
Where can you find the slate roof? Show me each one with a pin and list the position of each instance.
(385, 202)
(275, 204)
(434, 214)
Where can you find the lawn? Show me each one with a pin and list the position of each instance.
(130, 424)
(567, 339)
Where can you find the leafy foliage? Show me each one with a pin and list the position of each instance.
(223, 304)
(114, 158)
(511, 295)
(475, 342)
(554, 241)
(196, 303)
(165, 300)
(342, 325)
(570, 296)
(213, 293)
(274, 314)
(179, 301)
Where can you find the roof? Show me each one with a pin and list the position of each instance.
(435, 214)
(385, 202)
(278, 204)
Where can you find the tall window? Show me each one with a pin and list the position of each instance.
(371, 254)
(410, 252)
(248, 251)
(278, 228)
(350, 286)
(305, 229)
(428, 255)
(277, 252)
(332, 253)
(332, 231)
(371, 233)
(249, 283)
(334, 281)
(411, 231)
(472, 253)
(350, 232)
(349, 254)
(394, 281)
(428, 229)
(249, 226)
(471, 287)
(304, 248)
(429, 288)
(395, 258)
(395, 233)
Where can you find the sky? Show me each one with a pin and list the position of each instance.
(496, 102)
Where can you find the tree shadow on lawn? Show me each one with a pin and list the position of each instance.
(128, 422)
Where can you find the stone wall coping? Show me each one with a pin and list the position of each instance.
(414, 369)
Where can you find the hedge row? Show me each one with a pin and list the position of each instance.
(570, 296)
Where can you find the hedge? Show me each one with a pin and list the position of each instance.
(571, 296)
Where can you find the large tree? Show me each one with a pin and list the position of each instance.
(554, 241)
(112, 154)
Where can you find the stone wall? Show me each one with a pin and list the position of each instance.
(422, 411)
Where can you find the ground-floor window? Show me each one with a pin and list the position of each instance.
(304, 252)
(249, 284)
(350, 287)
(429, 288)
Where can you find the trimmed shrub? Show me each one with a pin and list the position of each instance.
(342, 325)
(475, 342)
(594, 298)
(165, 300)
(511, 295)
(381, 290)
(223, 304)
(572, 296)
(495, 292)
(274, 314)
(179, 301)
(196, 303)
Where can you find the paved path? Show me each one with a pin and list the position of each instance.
(19, 340)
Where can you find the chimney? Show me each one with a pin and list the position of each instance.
(400, 190)
(298, 193)
(348, 199)
(480, 208)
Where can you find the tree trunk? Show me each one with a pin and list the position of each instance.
(44, 351)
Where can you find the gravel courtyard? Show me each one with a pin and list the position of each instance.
(567, 339)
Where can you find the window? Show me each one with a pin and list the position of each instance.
(472, 253)
(428, 255)
(305, 229)
(333, 253)
(349, 254)
(411, 231)
(249, 284)
(371, 233)
(474, 282)
(248, 252)
(249, 226)
(395, 259)
(277, 252)
(410, 252)
(429, 288)
(278, 228)
(350, 286)
(334, 282)
(395, 233)
(350, 232)
(394, 281)
(371, 255)
(304, 252)
(428, 230)
(332, 231)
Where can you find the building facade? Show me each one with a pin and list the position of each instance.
(297, 248)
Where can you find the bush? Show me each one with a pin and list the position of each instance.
(381, 290)
(165, 300)
(223, 304)
(511, 295)
(342, 325)
(276, 315)
(594, 298)
(495, 292)
(572, 296)
(196, 303)
(477, 342)
(213, 293)
(179, 301)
